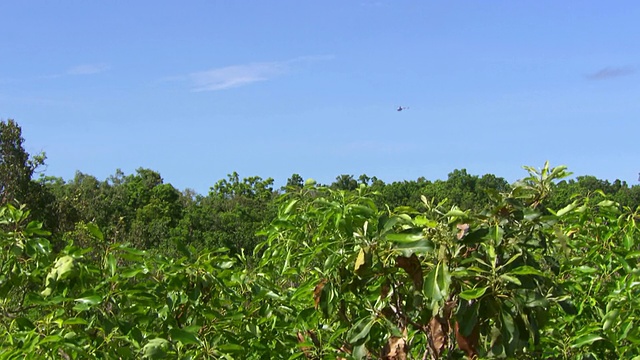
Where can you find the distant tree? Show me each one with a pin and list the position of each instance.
(403, 193)
(16, 166)
(345, 182)
(236, 209)
(294, 182)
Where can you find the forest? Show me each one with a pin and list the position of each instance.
(467, 267)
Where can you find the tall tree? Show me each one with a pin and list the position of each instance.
(16, 166)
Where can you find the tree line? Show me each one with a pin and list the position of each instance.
(142, 210)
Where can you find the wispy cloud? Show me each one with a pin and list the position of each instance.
(239, 75)
(610, 72)
(88, 69)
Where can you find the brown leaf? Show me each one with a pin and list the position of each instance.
(468, 344)
(317, 292)
(395, 349)
(413, 267)
(384, 289)
(463, 230)
(438, 331)
(307, 350)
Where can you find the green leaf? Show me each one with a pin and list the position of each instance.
(231, 347)
(526, 270)
(290, 206)
(155, 348)
(606, 203)
(406, 237)
(585, 340)
(471, 294)
(185, 337)
(409, 248)
(51, 338)
(423, 221)
(75, 321)
(586, 269)
(89, 300)
(511, 279)
(111, 264)
(436, 286)
(567, 209)
(24, 323)
(609, 319)
(95, 231)
(361, 329)
(360, 352)
(456, 213)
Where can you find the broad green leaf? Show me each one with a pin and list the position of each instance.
(184, 336)
(513, 258)
(609, 319)
(290, 206)
(75, 321)
(455, 213)
(409, 248)
(586, 269)
(526, 270)
(51, 338)
(585, 340)
(226, 264)
(155, 348)
(405, 237)
(360, 329)
(89, 300)
(111, 264)
(231, 347)
(567, 209)
(471, 294)
(431, 286)
(436, 286)
(511, 279)
(360, 352)
(606, 203)
(132, 272)
(24, 323)
(95, 231)
(423, 221)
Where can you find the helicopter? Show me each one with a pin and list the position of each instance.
(400, 108)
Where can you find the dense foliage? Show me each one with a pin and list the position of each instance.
(469, 267)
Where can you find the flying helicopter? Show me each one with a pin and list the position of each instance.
(400, 108)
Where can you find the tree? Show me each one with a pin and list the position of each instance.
(16, 167)
(294, 182)
(345, 182)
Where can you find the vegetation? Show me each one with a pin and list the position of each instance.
(473, 267)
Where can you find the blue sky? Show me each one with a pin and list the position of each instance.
(196, 90)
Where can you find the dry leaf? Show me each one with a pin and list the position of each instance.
(361, 260)
(438, 330)
(395, 349)
(413, 267)
(317, 292)
(468, 344)
(463, 230)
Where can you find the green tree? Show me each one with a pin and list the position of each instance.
(345, 182)
(16, 166)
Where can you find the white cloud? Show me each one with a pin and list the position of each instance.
(234, 76)
(238, 75)
(88, 69)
